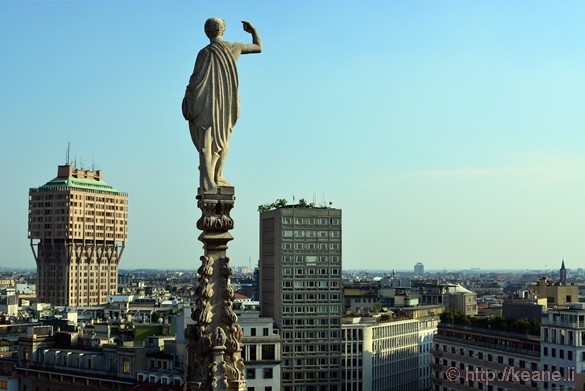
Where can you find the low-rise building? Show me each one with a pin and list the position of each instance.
(74, 361)
(261, 351)
(466, 357)
(556, 294)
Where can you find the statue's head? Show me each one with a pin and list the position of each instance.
(214, 27)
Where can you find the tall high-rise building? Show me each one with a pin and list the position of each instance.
(77, 227)
(419, 269)
(301, 289)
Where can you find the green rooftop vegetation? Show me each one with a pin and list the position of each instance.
(499, 323)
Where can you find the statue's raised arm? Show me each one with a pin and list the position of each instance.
(256, 46)
(211, 103)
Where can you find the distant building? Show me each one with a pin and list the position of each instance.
(8, 302)
(563, 274)
(556, 294)
(419, 269)
(301, 289)
(362, 297)
(521, 308)
(77, 230)
(453, 296)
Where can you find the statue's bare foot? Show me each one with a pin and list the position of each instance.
(221, 181)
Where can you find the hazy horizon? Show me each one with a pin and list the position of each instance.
(447, 132)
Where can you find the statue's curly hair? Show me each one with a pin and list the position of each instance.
(214, 27)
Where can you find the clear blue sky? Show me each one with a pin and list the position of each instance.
(450, 132)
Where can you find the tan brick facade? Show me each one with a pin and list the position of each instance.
(78, 229)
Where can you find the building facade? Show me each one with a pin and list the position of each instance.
(301, 289)
(387, 355)
(556, 294)
(562, 336)
(77, 229)
(64, 361)
(419, 269)
(464, 358)
(261, 352)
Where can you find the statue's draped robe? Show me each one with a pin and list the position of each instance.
(211, 99)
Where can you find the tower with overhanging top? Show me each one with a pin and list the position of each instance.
(77, 226)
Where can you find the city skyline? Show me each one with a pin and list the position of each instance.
(450, 133)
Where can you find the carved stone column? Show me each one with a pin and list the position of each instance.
(214, 341)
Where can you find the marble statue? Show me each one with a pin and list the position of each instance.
(211, 103)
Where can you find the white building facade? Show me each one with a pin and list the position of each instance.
(390, 355)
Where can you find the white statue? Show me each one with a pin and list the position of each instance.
(211, 103)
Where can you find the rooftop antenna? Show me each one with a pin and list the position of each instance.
(67, 153)
(92, 163)
(314, 199)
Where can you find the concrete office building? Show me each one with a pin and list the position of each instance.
(387, 355)
(77, 228)
(301, 289)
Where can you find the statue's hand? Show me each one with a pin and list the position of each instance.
(248, 27)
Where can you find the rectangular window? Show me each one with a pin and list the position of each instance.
(267, 373)
(268, 352)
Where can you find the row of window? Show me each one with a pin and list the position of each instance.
(561, 353)
(311, 220)
(311, 309)
(310, 246)
(487, 356)
(311, 284)
(311, 321)
(311, 259)
(310, 297)
(298, 233)
(267, 373)
(311, 348)
(311, 271)
(251, 352)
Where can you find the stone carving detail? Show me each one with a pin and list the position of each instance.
(215, 341)
(215, 217)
